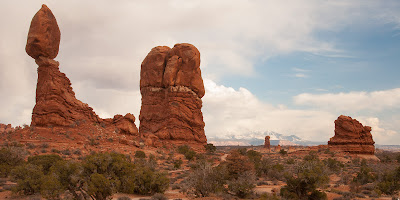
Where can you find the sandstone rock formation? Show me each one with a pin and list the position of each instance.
(56, 104)
(172, 88)
(44, 35)
(6, 128)
(126, 124)
(351, 136)
(267, 143)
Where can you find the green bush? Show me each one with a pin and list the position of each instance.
(28, 178)
(304, 182)
(183, 149)
(178, 164)
(210, 148)
(364, 176)
(100, 187)
(205, 179)
(45, 161)
(242, 186)
(283, 152)
(390, 183)
(190, 155)
(140, 154)
(10, 157)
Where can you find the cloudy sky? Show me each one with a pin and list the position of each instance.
(290, 67)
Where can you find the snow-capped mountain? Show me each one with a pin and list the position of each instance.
(257, 138)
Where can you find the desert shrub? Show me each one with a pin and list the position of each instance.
(45, 145)
(333, 164)
(290, 161)
(210, 148)
(283, 152)
(178, 164)
(190, 154)
(10, 157)
(66, 152)
(307, 178)
(50, 187)
(237, 164)
(364, 176)
(140, 154)
(28, 178)
(100, 187)
(390, 183)
(148, 181)
(183, 149)
(312, 155)
(77, 152)
(159, 196)
(254, 156)
(242, 186)
(30, 145)
(45, 161)
(205, 180)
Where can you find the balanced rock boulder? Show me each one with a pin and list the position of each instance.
(44, 35)
(351, 136)
(172, 87)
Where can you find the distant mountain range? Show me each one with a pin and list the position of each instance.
(257, 138)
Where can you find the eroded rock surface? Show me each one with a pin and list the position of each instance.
(44, 35)
(56, 104)
(267, 143)
(172, 87)
(351, 136)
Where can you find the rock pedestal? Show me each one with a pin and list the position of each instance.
(267, 144)
(172, 88)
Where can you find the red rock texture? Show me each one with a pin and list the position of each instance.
(6, 128)
(172, 88)
(44, 35)
(351, 136)
(267, 143)
(126, 124)
(56, 104)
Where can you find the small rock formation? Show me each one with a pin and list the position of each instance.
(267, 143)
(126, 124)
(6, 128)
(172, 88)
(351, 136)
(278, 148)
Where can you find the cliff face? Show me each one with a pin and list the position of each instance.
(172, 88)
(351, 136)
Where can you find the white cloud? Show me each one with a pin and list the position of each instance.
(230, 112)
(352, 101)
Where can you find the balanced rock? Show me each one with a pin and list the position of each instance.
(44, 35)
(172, 88)
(56, 104)
(351, 136)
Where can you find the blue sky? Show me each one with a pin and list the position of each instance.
(290, 67)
